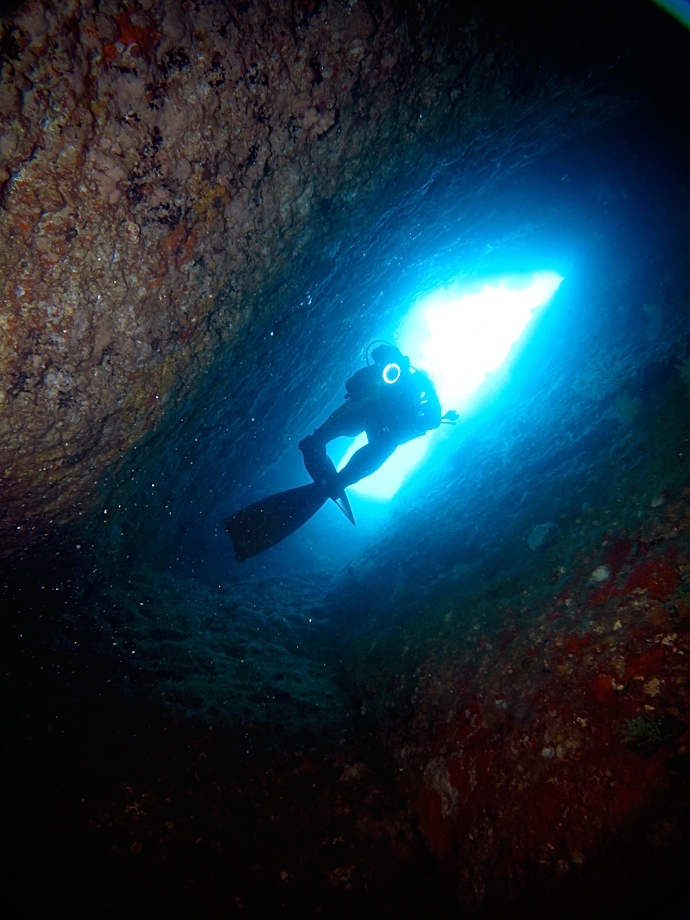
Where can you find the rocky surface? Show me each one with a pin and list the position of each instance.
(525, 751)
(133, 813)
(207, 210)
(184, 190)
(530, 677)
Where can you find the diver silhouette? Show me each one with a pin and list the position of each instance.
(389, 400)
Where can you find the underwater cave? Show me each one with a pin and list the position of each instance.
(475, 703)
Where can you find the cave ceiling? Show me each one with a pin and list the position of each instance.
(199, 200)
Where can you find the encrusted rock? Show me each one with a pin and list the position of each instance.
(173, 174)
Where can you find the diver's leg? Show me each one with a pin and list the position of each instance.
(366, 461)
(346, 421)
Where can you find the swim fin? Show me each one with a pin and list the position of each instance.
(328, 479)
(268, 521)
(259, 526)
(343, 502)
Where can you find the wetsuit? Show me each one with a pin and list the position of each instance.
(390, 411)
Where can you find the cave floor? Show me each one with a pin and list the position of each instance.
(118, 809)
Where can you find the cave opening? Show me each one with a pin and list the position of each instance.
(461, 339)
(475, 702)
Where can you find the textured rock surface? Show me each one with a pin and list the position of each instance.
(207, 210)
(179, 180)
(535, 697)
(525, 748)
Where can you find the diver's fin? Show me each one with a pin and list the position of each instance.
(343, 502)
(268, 521)
(335, 491)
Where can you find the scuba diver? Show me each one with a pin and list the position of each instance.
(389, 400)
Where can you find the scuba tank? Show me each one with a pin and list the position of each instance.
(386, 370)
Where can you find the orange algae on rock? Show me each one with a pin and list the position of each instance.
(658, 577)
(526, 754)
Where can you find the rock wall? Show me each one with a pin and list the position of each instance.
(207, 209)
(185, 191)
(521, 643)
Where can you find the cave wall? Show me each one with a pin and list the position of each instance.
(199, 202)
(185, 188)
(520, 639)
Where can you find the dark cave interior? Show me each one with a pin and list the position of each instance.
(476, 702)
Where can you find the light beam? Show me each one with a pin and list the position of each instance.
(459, 339)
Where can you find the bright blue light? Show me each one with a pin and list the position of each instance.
(459, 339)
(385, 482)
